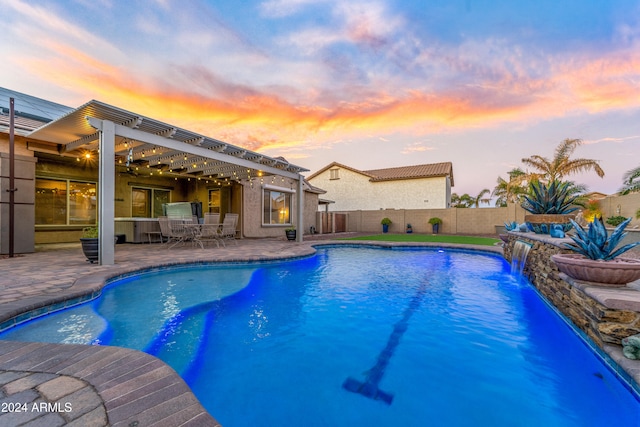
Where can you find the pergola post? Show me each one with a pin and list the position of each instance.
(300, 220)
(106, 194)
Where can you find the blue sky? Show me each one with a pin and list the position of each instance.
(370, 84)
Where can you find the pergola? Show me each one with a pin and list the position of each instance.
(123, 137)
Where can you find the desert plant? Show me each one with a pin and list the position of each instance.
(557, 198)
(595, 243)
(435, 220)
(614, 221)
(385, 221)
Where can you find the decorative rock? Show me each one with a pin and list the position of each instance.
(631, 347)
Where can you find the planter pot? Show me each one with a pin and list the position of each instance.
(291, 234)
(385, 228)
(90, 248)
(435, 228)
(541, 223)
(617, 272)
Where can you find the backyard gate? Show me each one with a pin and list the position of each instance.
(332, 222)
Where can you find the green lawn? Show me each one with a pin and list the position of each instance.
(437, 238)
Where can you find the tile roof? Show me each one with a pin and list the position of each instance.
(398, 173)
(411, 172)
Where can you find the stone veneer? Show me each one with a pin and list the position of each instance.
(605, 314)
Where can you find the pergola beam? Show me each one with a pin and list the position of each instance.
(85, 140)
(180, 146)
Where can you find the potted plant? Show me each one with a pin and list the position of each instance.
(290, 233)
(90, 243)
(548, 205)
(386, 222)
(409, 228)
(435, 224)
(596, 258)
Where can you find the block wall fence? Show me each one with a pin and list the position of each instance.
(472, 220)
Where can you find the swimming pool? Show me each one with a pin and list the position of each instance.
(357, 336)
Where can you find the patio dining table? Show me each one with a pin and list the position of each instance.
(202, 233)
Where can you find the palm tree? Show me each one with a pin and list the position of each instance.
(463, 201)
(561, 164)
(475, 201)
(510, 191)
(631, 181)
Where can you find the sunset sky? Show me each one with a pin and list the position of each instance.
(370, 84)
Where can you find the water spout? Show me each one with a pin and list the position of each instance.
(519, 256)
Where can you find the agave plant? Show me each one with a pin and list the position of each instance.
(595, 243)
(557, 198)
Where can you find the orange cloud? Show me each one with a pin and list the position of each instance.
(260, 118)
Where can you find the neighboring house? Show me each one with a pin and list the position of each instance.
(58, 181)
(409, 187)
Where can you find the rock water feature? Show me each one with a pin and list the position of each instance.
(519, 256)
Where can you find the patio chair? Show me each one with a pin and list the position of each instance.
(229, 227)
(165, 230)
(212, 218)
(209, 233)
(177, 230)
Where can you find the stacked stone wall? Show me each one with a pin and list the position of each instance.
(601, 323)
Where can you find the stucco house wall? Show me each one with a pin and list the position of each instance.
(252, 210)
(353, 190)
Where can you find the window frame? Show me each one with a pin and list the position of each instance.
(289, 193)
(152, 191)
(67, 182)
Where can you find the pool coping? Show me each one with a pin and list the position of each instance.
(115, 388)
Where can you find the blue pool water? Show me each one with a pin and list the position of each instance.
(357, 337)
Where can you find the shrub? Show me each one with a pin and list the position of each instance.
(90, 233)
(615, 220)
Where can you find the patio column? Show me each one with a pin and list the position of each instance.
(106, 193)
(300, 220)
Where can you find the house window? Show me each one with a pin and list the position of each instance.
(65, 202)
(334, 173)
(147, 202)
(276, 207)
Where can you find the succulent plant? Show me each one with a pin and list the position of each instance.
(557, 198)
(595, 243)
